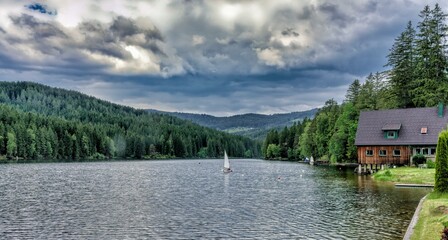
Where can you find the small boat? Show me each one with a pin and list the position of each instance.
(226, 168)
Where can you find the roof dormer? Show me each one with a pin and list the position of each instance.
(391, 130)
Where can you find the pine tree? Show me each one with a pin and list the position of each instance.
(431, 84)
(402, 60)
(353, 92)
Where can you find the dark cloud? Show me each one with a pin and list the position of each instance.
(124, 45)
(41, 8)
(122, 27)
(290, 32)
(37, 28)
(106, 39)
(306, 12)
(335, 14)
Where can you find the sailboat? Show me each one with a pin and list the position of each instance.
(226, 168)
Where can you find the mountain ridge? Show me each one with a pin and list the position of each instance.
(253, 125)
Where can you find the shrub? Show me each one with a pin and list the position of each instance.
(387, 173)
(441, 176)
(97, 156)
(430, 164)
(418, 159)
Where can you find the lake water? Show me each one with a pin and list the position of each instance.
(193, 199)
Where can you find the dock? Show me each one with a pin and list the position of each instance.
(414, 185)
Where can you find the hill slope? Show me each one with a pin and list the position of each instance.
(40, 122)
(250, 125)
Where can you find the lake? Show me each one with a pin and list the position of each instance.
(193, 199)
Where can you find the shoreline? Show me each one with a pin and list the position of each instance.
(414, 219)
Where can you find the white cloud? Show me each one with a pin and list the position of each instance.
(197, 40)
(270, 57)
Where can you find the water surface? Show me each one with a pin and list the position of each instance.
(193, 199)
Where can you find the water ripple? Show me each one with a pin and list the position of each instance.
(188, 200)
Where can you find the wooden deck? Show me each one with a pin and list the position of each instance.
(414, 185)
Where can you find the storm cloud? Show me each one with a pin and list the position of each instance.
(220, 57)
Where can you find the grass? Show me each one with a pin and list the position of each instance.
(406, 175)
(432, 218)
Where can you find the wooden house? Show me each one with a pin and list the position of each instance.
(393, 136)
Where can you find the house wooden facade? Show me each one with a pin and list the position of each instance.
(393, 136)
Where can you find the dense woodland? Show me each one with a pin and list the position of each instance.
(417, 78)
(42, 123)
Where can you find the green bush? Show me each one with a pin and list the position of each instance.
(441, 176)
(97, 156)
(418, 159)
(430, 164)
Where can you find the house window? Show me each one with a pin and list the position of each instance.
(432, 151)
(397, 152)
(391, 134)
(418, 151)
(383, 153)
(369, 153)
(425, 151)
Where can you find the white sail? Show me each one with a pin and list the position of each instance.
(226, 161)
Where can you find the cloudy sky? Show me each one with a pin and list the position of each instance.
(220, 57)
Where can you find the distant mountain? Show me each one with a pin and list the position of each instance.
(251, 125)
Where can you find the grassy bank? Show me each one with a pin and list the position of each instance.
(434, 213)
(406, 175)
(432, 218)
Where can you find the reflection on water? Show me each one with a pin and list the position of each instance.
(187, 200)
(226, 183)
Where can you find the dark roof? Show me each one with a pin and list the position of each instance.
(372, 124)
(391, 126)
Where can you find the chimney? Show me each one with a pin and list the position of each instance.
(440, 110)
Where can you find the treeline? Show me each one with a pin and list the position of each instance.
(330, 136)
(417, 78)
(42, 123)
(249, 120)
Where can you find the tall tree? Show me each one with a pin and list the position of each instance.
(342, 143)
(352, 94)
(11, 145)
(431, 85)
(401, 58)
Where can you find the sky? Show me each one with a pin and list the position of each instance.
(219, 57)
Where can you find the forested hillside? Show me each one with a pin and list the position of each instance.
(42, 123)
(417, 78)
(251, 125)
